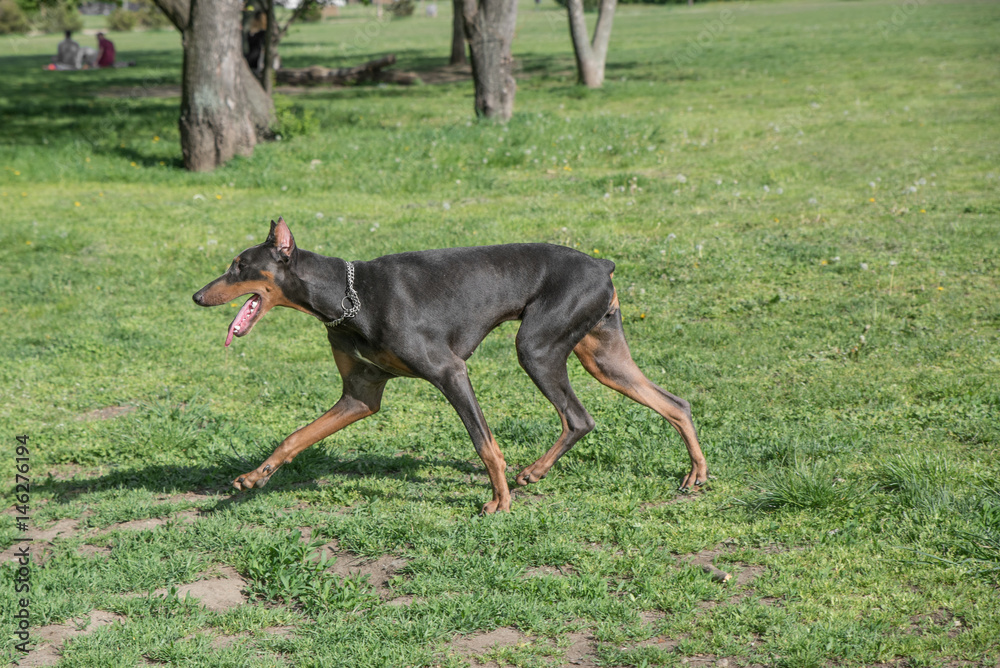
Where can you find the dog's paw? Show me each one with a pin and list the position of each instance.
(695, 479)
(531, 474)
(496, 505)
(250, 481)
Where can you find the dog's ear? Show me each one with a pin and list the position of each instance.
(281, 238)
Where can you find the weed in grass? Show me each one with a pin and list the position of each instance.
(813, 486)
(288, 570)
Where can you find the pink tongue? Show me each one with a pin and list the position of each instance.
(244, 312)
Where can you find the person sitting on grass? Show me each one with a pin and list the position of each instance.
(106, 49)
(69, 55)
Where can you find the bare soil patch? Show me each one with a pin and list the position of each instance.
(106, 413)
(379, 571)
(217, 594)
(41, 541)
(52, 637)
(581, 650)
(151, 523)
(473, 646)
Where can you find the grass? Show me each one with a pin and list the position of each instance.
(804, 220)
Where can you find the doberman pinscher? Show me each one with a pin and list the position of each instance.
(422, 314)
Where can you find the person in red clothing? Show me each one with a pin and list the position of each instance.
(106, 49)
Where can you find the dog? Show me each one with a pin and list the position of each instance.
(422, 314)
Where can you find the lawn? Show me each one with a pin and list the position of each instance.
(802, 202)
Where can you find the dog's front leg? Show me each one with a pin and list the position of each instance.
(362, 397)
(454, 383)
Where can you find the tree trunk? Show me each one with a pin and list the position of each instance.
(591, 55)
(270, 48)
(489, 27)
(457, 35)
(224, 110)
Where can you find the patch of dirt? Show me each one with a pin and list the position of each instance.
(191, 497)
(52, 637)
(403, 601)
(41, 541)
(94, 550)
(64, 526)
(522, 498)
(748, 573)
(581, 650)
(152, 522)
(651, 616)
(473, 646)
(661, 642)
(379, 571)
(111, 411)
(217, 594)
(224, 641)
(942, 618)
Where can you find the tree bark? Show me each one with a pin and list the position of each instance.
(270, 48)
(591, 55)
(489, 27)
(224, 109)
(457, 35)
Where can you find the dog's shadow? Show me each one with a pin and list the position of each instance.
(214, 480)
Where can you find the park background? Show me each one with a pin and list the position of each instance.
(803, 210)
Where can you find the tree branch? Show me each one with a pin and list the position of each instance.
(299, 12)
(178, 11)
(602, 31)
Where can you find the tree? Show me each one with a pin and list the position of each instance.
(276, 32)
(591, 55)
(224, 110)
(457, 35)
(489, 27)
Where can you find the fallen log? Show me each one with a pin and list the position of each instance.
(370, 72)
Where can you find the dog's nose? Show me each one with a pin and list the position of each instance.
(198, 298)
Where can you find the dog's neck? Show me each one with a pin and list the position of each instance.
(316, 273)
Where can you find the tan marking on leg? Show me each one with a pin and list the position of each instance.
(496, 467)
(605, 355)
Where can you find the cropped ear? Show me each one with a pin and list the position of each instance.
(281, 238)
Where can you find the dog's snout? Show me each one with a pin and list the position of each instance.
(199, 298)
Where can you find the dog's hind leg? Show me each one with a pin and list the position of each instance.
(546, 365)
(605, 355)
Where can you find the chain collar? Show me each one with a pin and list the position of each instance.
(351, 296)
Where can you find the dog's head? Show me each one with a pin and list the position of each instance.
(264, 272)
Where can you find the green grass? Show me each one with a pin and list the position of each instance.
(805, 224)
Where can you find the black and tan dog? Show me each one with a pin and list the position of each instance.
(422, 314)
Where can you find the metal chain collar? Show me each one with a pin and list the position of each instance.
(350, 295)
